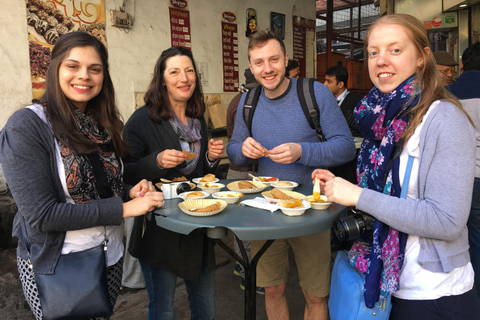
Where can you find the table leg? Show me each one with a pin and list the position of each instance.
(250, 268)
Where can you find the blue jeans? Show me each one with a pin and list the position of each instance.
(474, 233)
(161, 285)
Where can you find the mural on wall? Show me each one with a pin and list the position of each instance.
(300, 28)
(47, 20)
(230, 52)
(251, 22)
(277, 24)
(180, 24)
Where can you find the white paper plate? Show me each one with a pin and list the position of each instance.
(233, 186)
(293, 194)
(184, 195)
(267, 183)
(318, 206)
(211, 190)
(275, 185)
(186, 205)
(295, 211)
(229, 196)
(197, 180)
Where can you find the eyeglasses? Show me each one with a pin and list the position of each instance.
(446, 72)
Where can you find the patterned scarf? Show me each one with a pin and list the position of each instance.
(82, 183)
(188, 133)
(381, 117)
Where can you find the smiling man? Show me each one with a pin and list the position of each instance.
(294, 151)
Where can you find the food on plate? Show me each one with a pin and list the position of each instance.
(246, 185)
(265, 152)
(263, 179)
(277, 194)
(190, 156)
(195, 194)
(320, 200)
(284, 184)
(213, 207)
(209, 185)
(230, 195)
(290, 204)
(208, 178)
(178, 179)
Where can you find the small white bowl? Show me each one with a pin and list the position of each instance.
(197, 180)
(184, 195)
(290, 188)
(318, 205)
(216, 187)
(229, 196)
(294, 211)
(267, 183)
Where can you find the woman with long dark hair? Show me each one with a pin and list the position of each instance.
(61, 157)
(171, 122)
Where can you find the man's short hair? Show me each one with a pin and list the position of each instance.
(339, 72)
(471, 57)
(292, 64)
(260, 38)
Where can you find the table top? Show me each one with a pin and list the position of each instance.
(250, 223)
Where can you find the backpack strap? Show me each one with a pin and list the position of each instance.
(306, 95)
(249, 106)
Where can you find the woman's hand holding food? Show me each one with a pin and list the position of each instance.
(215, 149)
(170, 158)
(144, 199)
(286, 153)
(141, 189)
(337, 189)
(252, 149)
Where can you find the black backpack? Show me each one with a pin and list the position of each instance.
(306, 95)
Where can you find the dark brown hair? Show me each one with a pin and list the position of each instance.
(61, 112)
(156, 99)
(260, 38)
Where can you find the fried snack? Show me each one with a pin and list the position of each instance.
(293, 203)
(208, 178)
(213, 207)
(284, 184)
(195, 194)
(246, 185)
(178, 179)
(190, 156)
(265, 152)
(277, 194)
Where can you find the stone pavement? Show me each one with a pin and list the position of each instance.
(132, 305)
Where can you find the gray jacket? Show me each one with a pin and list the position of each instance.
(28, 157)
(439, 214)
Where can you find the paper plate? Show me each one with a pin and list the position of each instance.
(197, 180)
(184, 195)
(217, 187)
(275, 184)
(233, 186)
(293, 194)
(186, 205)
(228, 196)
(317, 205)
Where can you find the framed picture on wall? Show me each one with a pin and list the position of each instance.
(277, 24)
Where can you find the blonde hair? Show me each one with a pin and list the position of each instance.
(428, 77)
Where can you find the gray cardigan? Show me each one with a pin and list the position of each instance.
(28, 157)
(439, 214)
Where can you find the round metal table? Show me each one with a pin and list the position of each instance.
(248, 223)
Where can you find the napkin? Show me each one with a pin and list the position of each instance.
(260, 203)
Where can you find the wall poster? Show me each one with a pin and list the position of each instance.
(180, 24)
(300, 28)
(47, 20)
(230, 52)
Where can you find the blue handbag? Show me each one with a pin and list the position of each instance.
(347, 301)
(346, 296)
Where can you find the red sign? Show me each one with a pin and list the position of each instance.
(300, 27)
(180, 28)
(229, 16)
(230, 57)
(182, 4)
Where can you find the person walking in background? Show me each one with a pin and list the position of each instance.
(171, 121)
(466, 88)
(54, 154)
(421, 242)
(241, 173)
(446, 65)
(294, 149)
(293, 69)
(336, 79)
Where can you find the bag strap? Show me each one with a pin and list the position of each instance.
(406, 179)
(250, 104)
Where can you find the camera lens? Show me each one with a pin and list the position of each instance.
(352, 227)
(183, 187)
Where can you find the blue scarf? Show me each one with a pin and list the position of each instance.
(381, 118)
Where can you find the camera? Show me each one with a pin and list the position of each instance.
(172, 190)
(355, 225)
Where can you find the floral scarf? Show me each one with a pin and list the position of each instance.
(188, 134)
(82, 183)
(381, 117)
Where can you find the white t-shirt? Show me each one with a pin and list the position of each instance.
(417, 283)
